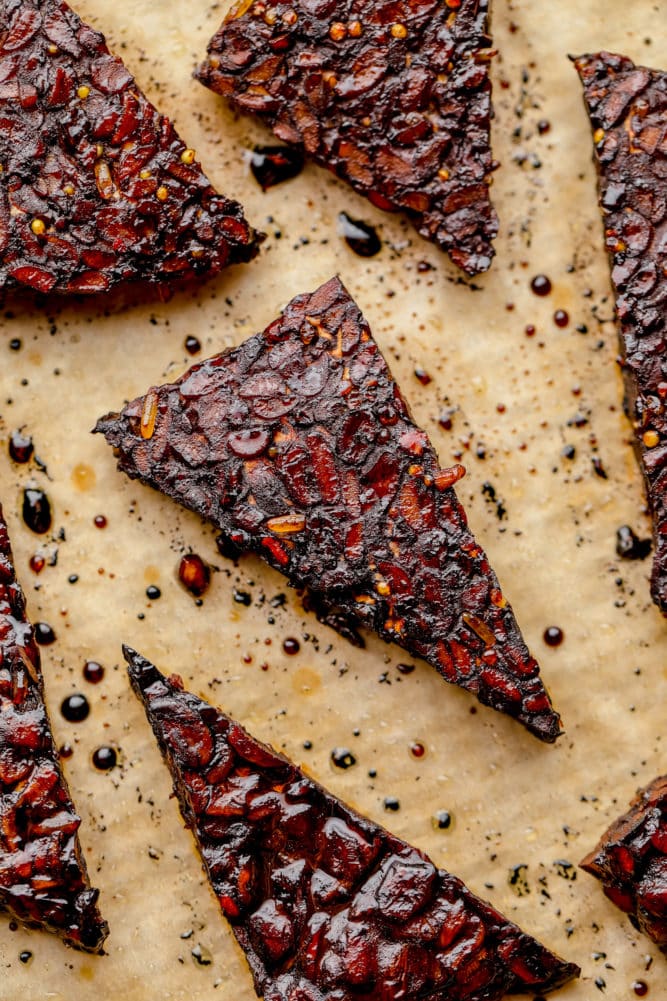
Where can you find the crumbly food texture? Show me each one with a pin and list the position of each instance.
(43, 877)
(627, 105)
(299, 446)
(327, 905)
(96, 187)
(394, 97)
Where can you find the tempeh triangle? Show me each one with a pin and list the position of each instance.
(299, 446)
(43, 877)
(392, 96)
(324, 903)
(96, 187)
(627, 105)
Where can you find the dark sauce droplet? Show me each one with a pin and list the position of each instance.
(93, 672)
(25, 956)
(343, 758)
(44, 634)
(105, 758)
(75, 708)
(21, 447)
(629, 546)
(543, 126)
(417, 749)
(66, 751)
(153, 592)
(553, 636)
(37, 563)
(405, 668)
(359, 236)
(540, 285)
(15, 344)
(36, 510)
(391, 804)
(442, 820)
(291, 646)
(640, 987)
(271, 165)
(194, 574)
(561, 318)
(192, 345)
(100, 521)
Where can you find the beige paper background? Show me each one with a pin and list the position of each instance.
(512, 799)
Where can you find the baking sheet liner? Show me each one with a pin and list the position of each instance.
(517, 400)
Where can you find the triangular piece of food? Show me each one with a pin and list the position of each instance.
(631, 862)
(394, 97)
(324, 903)
(43, 877)
(96, 187)
(298, 446)
(627, 105)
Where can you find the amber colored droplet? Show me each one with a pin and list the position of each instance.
(36, 510)
(100, 521)
(640, 987)
(37, 563)
(651, 438)
(194, 574)
(553, 636)
(291, 646)
(561, 318)
(44, 634)
(399, 31)
(192, 345)
(417, 749)
(83, 477)
(359, 236)
(148, 416)
(75, 708)
(285, 524)
(105, 758)
(93, 672)
(540, 285)
(21, 447)
(598, 136)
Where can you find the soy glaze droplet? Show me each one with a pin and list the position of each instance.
(553, 636)
(36, 510)
(75, 708)
(105, 758)
(541, 285)
(359, 236)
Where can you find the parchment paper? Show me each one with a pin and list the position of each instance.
(513, 801)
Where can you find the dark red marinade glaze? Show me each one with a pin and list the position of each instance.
(394, 96)
(627, 105)
(96, 187)
(631, 862)
(298, 446)
(326, 905)
(43, 877)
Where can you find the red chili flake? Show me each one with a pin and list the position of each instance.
(631, 861)
(345, 496)
(96, 186)
(332, 97)
(324, 901)
(44, 878)
(627, 107)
